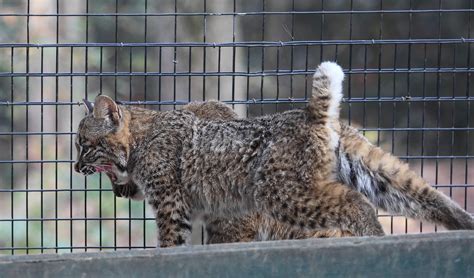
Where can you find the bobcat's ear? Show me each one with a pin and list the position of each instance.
(106, 108)
(89, 106)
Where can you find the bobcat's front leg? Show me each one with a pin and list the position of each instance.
(172, 214)
(169, 200)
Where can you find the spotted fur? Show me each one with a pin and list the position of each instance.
(385, 180)
(281, 165)
(390, 184)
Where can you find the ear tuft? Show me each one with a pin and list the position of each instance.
(106, 108)
(89, 106)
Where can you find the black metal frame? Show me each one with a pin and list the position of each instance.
(363, 97)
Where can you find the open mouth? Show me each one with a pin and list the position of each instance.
(107, 169)
(103, 168)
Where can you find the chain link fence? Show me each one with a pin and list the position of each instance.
(409, 89)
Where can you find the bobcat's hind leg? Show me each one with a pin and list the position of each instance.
(328, 206)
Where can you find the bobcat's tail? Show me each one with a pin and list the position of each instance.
(326, 93)
(390, 185)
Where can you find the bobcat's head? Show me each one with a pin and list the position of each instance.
(102, 140)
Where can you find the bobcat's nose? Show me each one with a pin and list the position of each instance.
(84, 169)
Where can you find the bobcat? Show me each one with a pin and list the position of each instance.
(282, 165)
(290, 167)
(385, 180)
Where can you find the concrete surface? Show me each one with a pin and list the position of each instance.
(449, 254)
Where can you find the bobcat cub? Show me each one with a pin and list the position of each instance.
(282, 165)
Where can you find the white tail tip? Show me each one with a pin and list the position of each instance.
(332, 70)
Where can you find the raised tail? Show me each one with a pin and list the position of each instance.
(390, 185)
(326, 92)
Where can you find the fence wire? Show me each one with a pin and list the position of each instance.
(408, 89)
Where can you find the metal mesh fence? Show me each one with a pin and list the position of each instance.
(408, 89)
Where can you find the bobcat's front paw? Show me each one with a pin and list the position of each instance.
(172, 242)
(166, 244)
(128, 190)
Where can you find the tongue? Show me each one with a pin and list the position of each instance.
(103, 168)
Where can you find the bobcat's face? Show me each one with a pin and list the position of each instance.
(102, 141)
